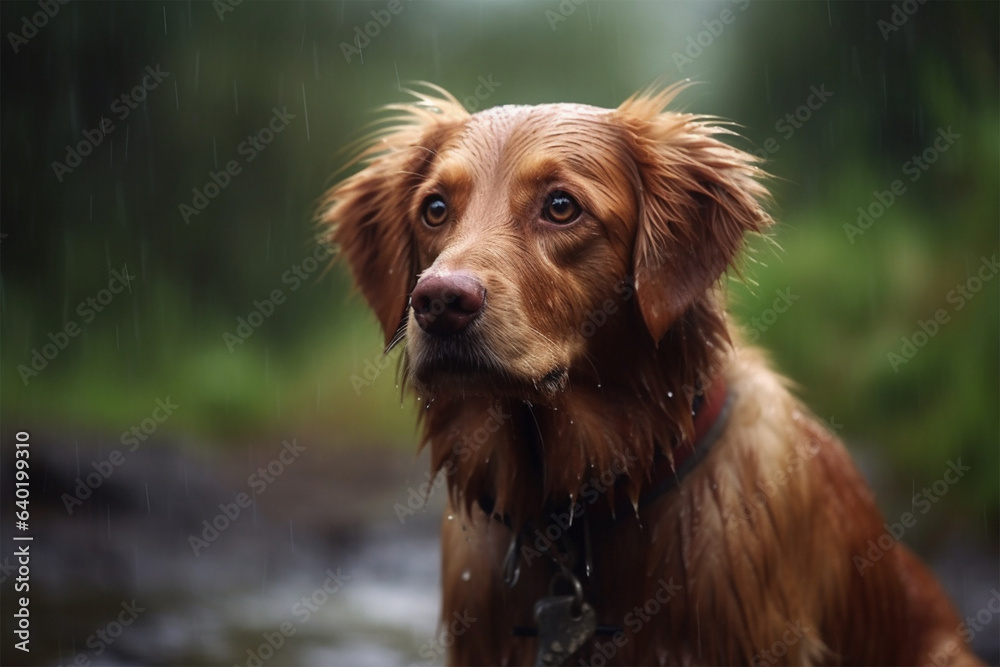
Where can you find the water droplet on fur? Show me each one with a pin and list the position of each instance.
(466, 575)
(670, 394)
(451, 517)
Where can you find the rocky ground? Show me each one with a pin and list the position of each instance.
(279, 553)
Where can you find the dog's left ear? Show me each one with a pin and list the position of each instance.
(698, 197)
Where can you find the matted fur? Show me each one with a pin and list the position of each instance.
(585, 359)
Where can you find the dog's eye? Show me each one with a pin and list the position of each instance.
(435, 210)
(561, 208)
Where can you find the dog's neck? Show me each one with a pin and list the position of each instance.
(608, 424)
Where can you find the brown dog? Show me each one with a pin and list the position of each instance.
(628, 484)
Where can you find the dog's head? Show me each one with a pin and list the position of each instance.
(506, 243)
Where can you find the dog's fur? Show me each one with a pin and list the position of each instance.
(579, 369)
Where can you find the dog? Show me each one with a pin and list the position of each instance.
(628, 482)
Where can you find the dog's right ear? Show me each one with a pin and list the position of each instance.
(367, 216)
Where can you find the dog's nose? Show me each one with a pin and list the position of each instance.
(447, 304)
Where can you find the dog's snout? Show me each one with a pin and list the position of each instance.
(447, 304)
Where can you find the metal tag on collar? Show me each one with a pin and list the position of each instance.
(565, 623)
(512, 561)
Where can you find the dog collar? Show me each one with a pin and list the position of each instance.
(710, 409)
(711, 413)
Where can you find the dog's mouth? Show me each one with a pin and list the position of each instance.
(464, 364)
(461, 354)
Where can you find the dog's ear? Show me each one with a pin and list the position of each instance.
(698, 197)
(368, 215)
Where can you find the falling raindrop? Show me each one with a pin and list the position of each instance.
(305, 109)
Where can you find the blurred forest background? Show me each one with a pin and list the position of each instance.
(885, 81)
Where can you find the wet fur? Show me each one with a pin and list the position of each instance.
(541, 405)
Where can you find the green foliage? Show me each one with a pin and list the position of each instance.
(195, 277)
